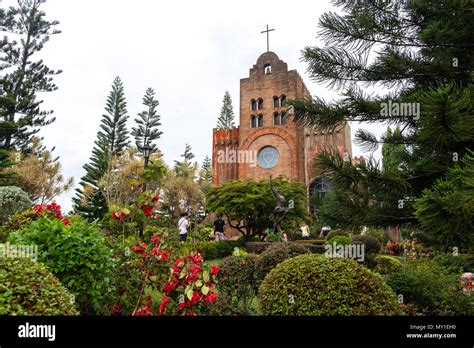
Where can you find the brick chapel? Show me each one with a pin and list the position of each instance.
(267, 141)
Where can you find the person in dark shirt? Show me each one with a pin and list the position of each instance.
(219, 228)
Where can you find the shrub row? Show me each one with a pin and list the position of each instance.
(218, 250)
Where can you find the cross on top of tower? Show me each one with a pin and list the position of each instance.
(268, 37)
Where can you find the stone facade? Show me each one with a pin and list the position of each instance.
(263, 113)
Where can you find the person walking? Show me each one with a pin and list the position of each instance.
(466, 280)
(305, 231)
(219, 228)
(183, 225)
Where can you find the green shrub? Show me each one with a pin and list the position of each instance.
(238, 284)
(387, 264)
(257, 247)
(218, 250)
(12, 199)
(431, 292)
(28, 288)
(312, 241)
(316, 285)
(169, 236)
(339, 240)
(77, 254)
(381, 236)
(335, 233)
(452, 264)
(16, 222)
(372, 245)
(278, 253)
(201, 233)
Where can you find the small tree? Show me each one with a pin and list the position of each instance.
(148, 122)
(185, 167)
(226, 119)
(39, 175)
(249, 204)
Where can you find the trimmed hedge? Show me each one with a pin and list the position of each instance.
(12, 200)
(339, 240)
(312, 241)
(316, 285)
(431, 292)
(335, 233)
(28, 288)
(218, 250)
(372, 244)
(257, 247)
(278, 253)
(387, 264)
(238, 285)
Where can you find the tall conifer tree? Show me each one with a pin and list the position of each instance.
(226, 119)
(148, 122)
(112, 140)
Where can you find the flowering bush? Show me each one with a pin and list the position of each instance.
(147, 202)
(172, 284)
(52, 210)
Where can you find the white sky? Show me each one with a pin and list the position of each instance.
(190, 52)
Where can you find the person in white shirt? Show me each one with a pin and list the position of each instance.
(183, 225)
(305, 231)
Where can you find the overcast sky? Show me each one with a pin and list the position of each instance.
(190, 52)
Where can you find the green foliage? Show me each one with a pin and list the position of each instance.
(335, 233)
(452, 264)
(16, 222)
(218, 250)
(316, 285)
(185, 167)
(339, 240)
(77, 254)
(312, 241)
(226, 119)
(258, 247)
(148, 122)
(169, 236)
(276, 254)
(446, 211)
(201, 233)
(112, 140)
(381, 236)
(29, 288)
(12, 200)
(372, 244)
(387, 264)
(431, 291)
(251, 203)
(424, 143)
(238, 284)
(26, 31)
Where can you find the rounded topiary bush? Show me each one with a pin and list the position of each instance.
(335, 233)
(278, 253)
(12, 199)
(28, 288)
(238, 285)
(316, 285)
(387, 264)
(339, 240)
(372, 244)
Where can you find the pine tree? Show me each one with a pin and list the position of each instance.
(393, 155)
(226, 119)
(148, 122)
(422, 51)
(20, 113)
(112, 141)
(185, 167)
(19, 104)
(205, 175)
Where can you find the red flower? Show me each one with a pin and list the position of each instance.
(116, 309)
(66, 221)
(164, 302)
(156, 216)
(154, 251)
(215, 270)
(144, 311)
(182, 306)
